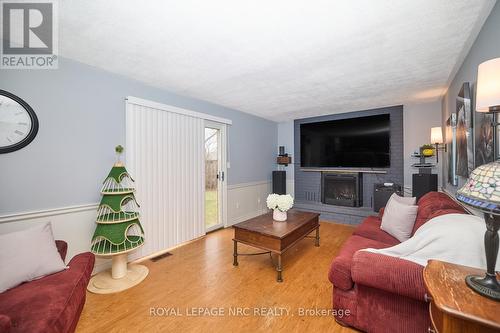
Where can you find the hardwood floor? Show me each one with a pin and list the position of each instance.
(201, 275)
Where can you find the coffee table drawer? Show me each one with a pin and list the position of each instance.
(298, 234)
(257, 240)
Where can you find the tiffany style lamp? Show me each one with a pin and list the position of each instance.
(482, 191)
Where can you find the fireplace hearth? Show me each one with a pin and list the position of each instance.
(342, 189)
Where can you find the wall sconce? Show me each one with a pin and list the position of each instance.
(437, 139)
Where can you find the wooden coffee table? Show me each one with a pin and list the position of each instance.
(275, 237)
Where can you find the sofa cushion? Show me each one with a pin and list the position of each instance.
(410, 201)
(5, 323)
(394, 275)
(440, 212)
(52, 303)
(370, 228)
(432, 202)
(340, 269)
(28, 255)
(399, 219)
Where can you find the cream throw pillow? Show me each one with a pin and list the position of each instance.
(28, 255)
(399, 217)
(404, 200)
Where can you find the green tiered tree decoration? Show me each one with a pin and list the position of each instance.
(118, 227)
(118, 232)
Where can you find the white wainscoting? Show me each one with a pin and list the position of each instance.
(76, 225)
(247, 200)
(290, 187)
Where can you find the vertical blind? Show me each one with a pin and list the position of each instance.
(165, 155)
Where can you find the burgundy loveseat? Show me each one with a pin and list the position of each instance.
(50, 304)
(383, 293)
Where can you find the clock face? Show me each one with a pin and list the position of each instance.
(18, 123)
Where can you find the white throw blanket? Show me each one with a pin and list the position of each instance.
(455, 238)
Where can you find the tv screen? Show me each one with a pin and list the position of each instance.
(355, 142)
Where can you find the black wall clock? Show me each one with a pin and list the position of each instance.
(18, 123)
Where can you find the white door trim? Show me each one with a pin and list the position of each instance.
(222, 127)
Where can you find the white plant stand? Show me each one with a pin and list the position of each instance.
(120, 277)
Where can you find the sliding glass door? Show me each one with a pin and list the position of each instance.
(215, 174)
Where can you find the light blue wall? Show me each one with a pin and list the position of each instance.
(486, 46)
(81, 110)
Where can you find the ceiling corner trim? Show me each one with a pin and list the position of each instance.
(175, 109)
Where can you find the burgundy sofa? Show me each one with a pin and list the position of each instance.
(383, 293)
(50, 304)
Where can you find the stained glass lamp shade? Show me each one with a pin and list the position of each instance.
(482, 192)
(482, 189)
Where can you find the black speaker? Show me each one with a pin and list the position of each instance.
(282, 151)
(424, 183)
(279, 182)
(382, 193)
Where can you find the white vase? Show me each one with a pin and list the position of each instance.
(278, 215)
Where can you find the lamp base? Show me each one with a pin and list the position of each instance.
(486, 286)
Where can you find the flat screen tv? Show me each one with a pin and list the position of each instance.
(362, 142)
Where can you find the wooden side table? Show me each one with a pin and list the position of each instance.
(454, 307)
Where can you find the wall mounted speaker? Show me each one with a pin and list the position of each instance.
(279, 182)
(282, 150)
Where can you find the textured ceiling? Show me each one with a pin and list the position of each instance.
(282, 59)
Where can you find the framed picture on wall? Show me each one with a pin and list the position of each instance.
(465, 137)
(483, 138)
(451, 132)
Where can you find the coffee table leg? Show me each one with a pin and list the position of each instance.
(316, 243)
(279, 269)
(235, 253)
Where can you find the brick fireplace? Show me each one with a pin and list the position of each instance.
(342, 189)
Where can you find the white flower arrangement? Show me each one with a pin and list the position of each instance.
(281, 202)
